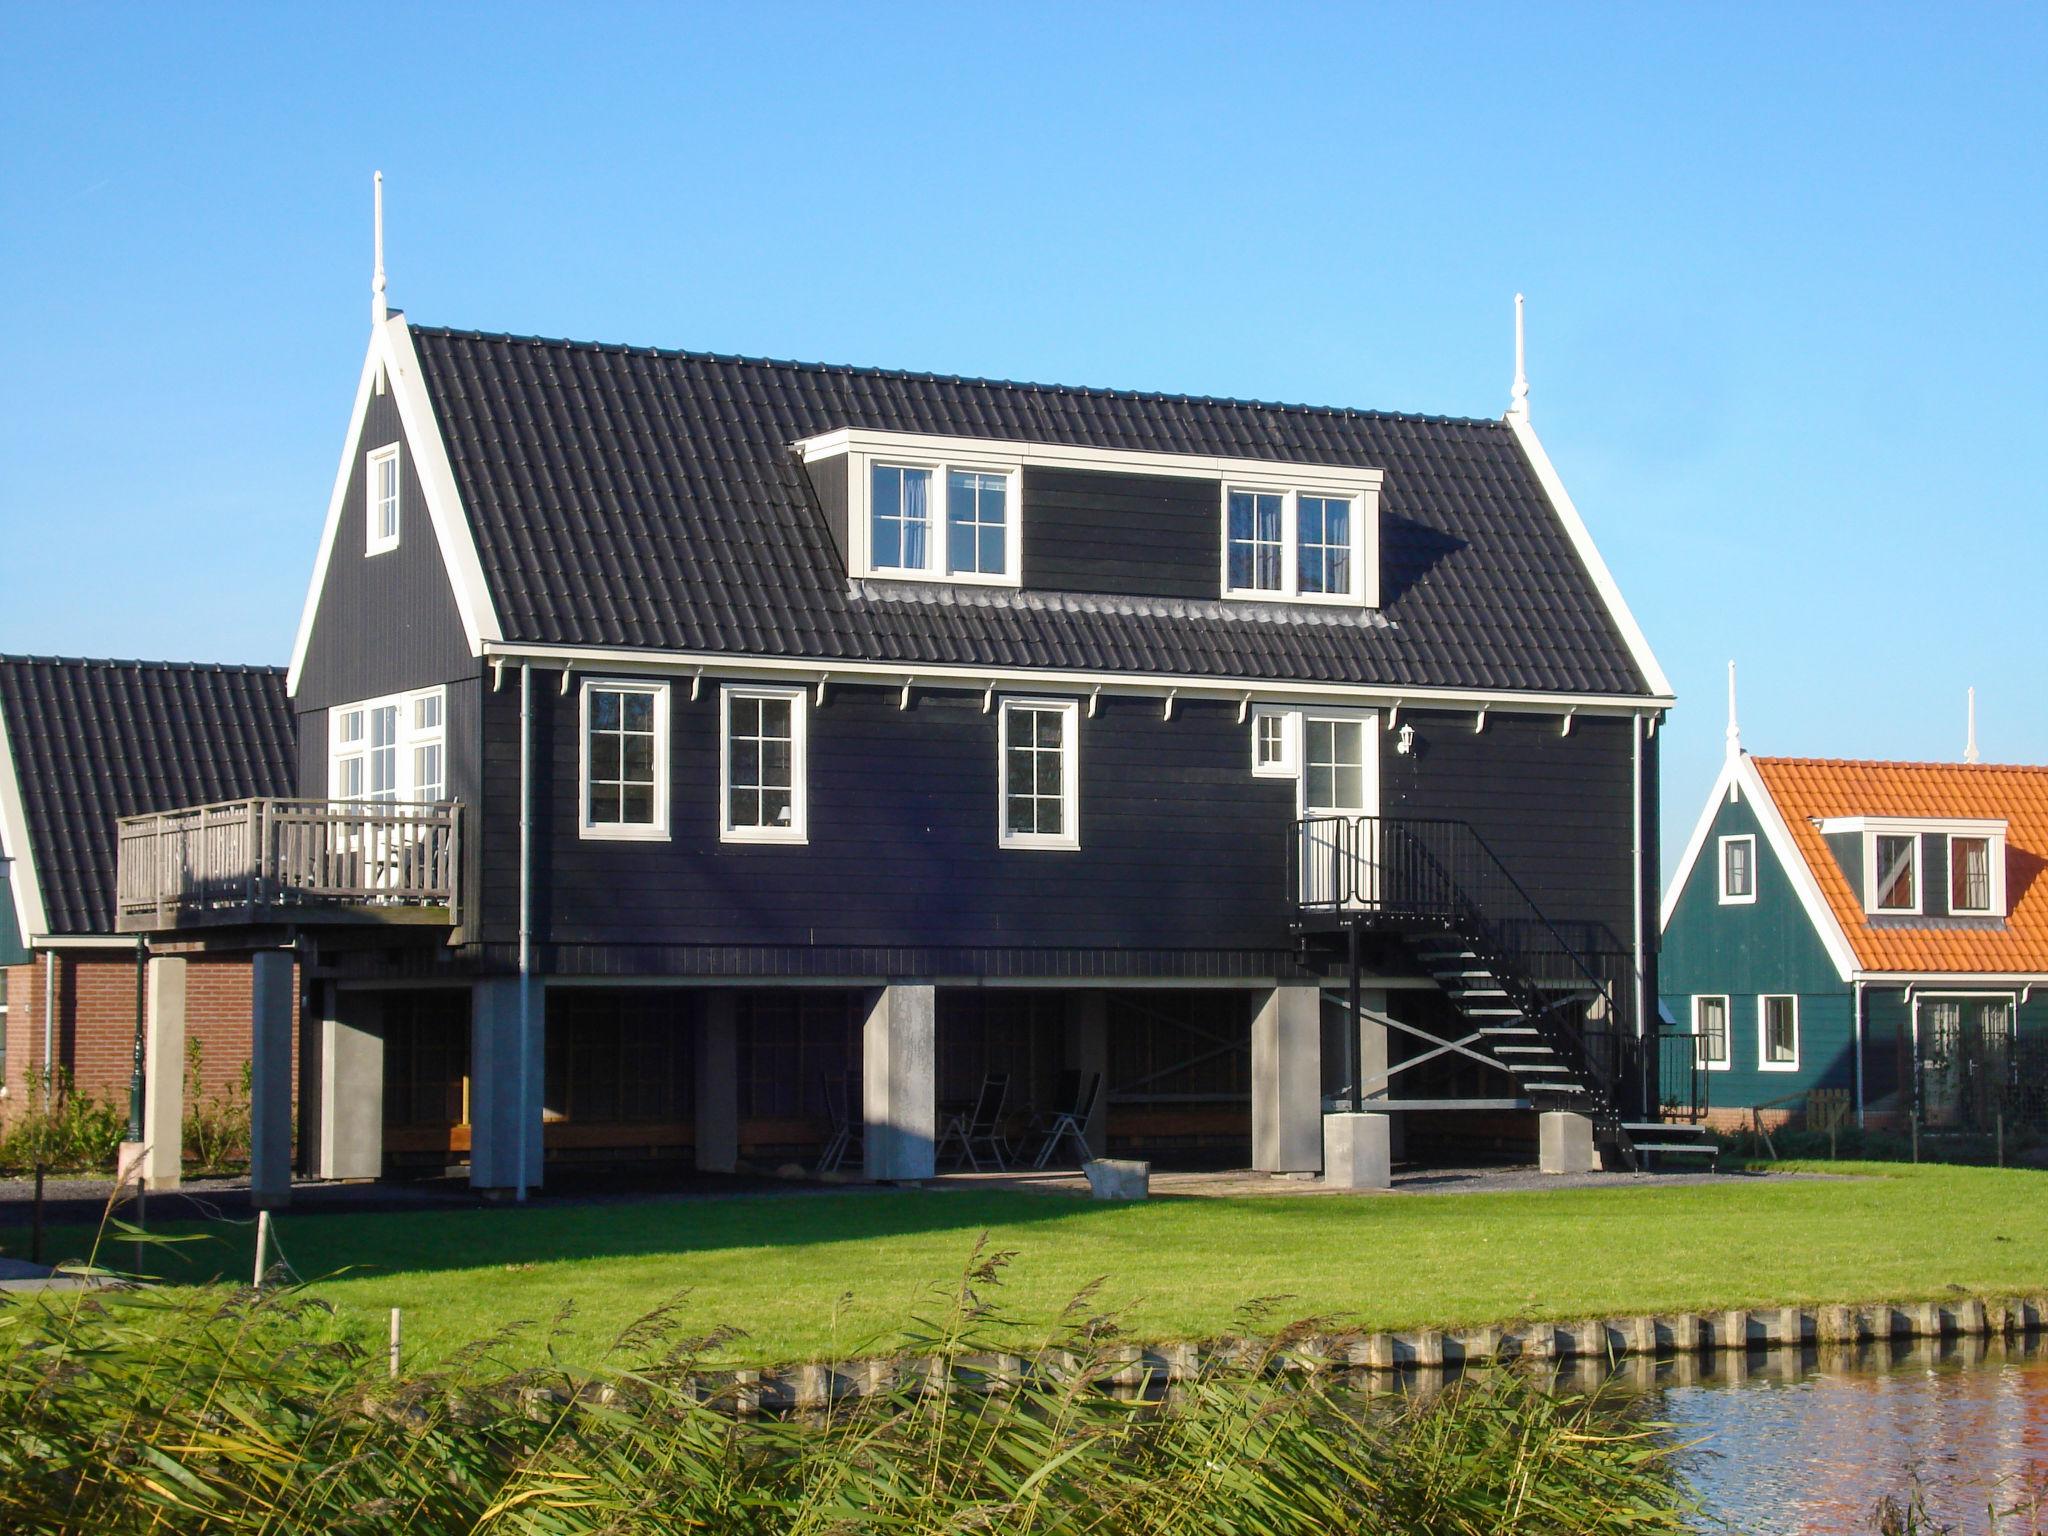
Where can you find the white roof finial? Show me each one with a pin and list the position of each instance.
(1734, 729)
(377, 307)
(1518, 397)
(1970, 746)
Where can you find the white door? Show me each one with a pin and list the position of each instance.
(1339, 794)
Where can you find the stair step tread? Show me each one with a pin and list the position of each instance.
(1509, 1029)
(1524, 1050)
(1692, 1147)
(1665, 1127)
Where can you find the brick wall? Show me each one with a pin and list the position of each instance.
(95, 1021)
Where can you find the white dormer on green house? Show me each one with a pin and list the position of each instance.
(1877, 930)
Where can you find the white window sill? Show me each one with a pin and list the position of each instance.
(1306, 599)
(963, 579)
(1739, 901)
(1034, 841)
(624, 834)
(784, 835)
(1777, 1066)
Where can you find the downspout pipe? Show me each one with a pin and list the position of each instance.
(135, 1069)
(49, 1027)
(1859, 1055)
(525, 1138)
(1642, 971)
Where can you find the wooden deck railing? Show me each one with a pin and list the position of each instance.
(213, 863)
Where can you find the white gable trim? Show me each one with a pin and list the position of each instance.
(1582, 541)
(1738, 777)
(392, 360)
(29, 914)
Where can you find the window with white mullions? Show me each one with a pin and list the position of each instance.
(1257, 534)
(899, 511)
(625, 759)
(1778, 1034)
(1325, 535)
(381, 514)
(1333, 766)
(1039, 789)
(1738, 869)
(390, 750)
(977, 523)
(1897, 869)
(762, 765)
(429, 770)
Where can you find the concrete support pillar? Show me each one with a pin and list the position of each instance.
(344, 1094)
(899, 1093)
(1565, 1143)
(272, 978)
(504, 1126)
(1355, 1152)
(1287, 1081)
(1375, 1055)
(1088, 1054)
(163, 1082)
(718, 1084)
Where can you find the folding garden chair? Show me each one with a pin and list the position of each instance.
(983, 1125)
(1071, 1125)
(846, 1134)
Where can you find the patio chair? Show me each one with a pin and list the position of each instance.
(1071, 1125)
(982, 1126)
(847, 1133)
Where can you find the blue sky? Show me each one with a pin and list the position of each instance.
(1785, 274)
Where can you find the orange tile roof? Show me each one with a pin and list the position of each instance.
(1806, 788)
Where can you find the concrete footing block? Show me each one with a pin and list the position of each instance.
(1358, 1151)
(1731, 1330)
(1565, 1143)
(1839, 1325)
(1116, 1178)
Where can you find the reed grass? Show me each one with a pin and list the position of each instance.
(228, 1411)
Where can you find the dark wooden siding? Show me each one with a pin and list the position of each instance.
(1557, 810)
(828, 481)
(385, 623)
(1180, 845)
(1122, 535)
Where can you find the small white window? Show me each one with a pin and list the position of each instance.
(1971, 889)
(1777, 1034)
(1738, 870)
(1895, 872)
(1710, 1032)
(1038, 750)
(624, 760)
(381, 513)
(1300, 546)
(761, 768)
(1275, 733)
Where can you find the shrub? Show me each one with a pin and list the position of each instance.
(217, 1125)
(63, 1130)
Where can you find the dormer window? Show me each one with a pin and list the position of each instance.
(1290, 544)
(1902, 864)
(1969, 876)
(381, 512)
(1896, 871)
(978, 541)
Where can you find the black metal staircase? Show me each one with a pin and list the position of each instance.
(1560, 1022)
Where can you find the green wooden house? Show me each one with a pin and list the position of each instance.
(1865, 937)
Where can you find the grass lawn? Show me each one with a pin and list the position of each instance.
(815, 1275)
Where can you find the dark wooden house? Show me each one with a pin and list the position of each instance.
(691, 744)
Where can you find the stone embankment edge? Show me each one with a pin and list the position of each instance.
(809, 1387)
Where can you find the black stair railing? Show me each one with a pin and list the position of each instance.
(1442, 872)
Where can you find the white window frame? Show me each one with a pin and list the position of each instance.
(1727, 1057)
(1763, 1038)
(341, 750)
(1288, 764)
(799, 828)
(649, 832)
(1729, 899)
(1994, 852)
(1070, 775)
(860, 527)
(1289, 590)
(1871, 873)
(376, 543)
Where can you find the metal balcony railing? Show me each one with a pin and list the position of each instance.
(241, 859)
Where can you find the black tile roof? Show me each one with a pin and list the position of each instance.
(634, 497)
(96, 740)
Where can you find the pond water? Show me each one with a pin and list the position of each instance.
(1805, 1442)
